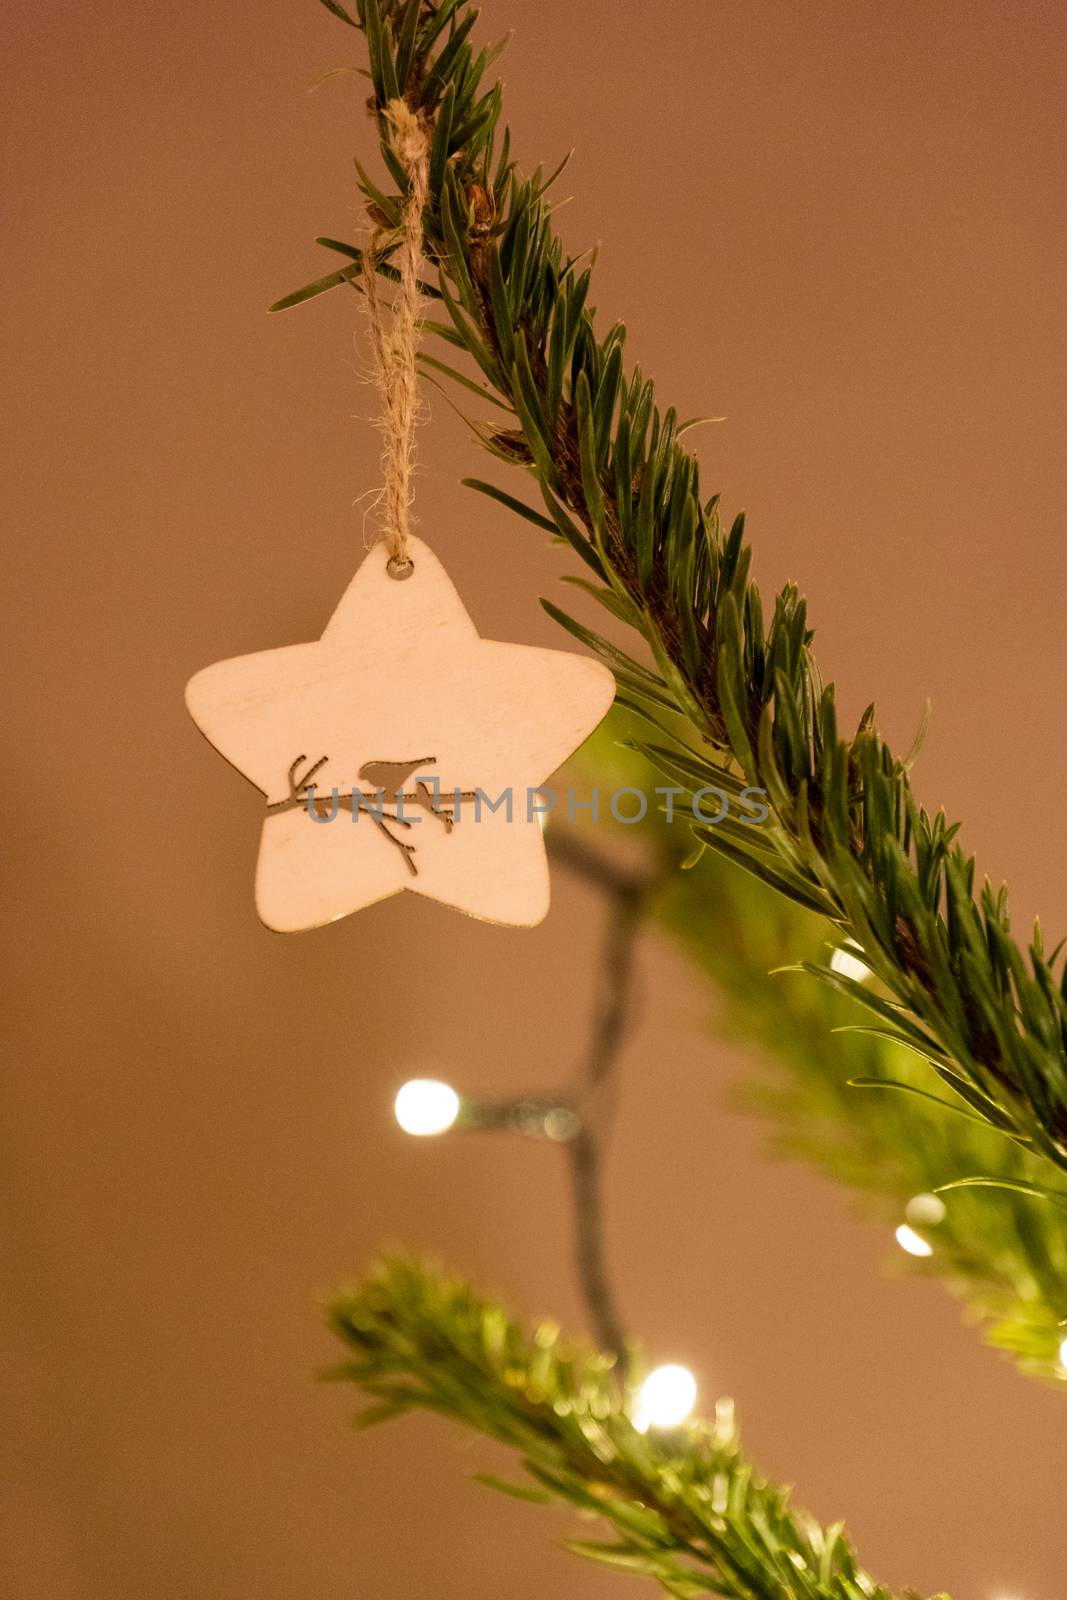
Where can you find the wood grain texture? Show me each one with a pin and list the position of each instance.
(401, 675)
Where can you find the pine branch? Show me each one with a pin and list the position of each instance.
(1001, 1250)
(846, 836)
(685, 1507)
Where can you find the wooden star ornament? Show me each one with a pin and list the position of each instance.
(400, 751)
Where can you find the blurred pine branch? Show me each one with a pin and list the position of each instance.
(1003, 1252)
(683, 1507)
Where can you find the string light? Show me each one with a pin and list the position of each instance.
(925, 1208)
(665, 1399)
(1063, 1355)
(848, 965)
(573, 1117)
(425, 1106)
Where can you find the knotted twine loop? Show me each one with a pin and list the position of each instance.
(395, 340)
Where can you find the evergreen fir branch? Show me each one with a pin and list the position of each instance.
(1002, 1251)
(684, 1507)
(847, 833)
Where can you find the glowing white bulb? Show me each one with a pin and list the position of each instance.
(1063, 1355)
(928, 1208)
(425, 1106)
(913, 1242)
(848, 965)
(665, 1399)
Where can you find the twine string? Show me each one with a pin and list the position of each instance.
(395, 336)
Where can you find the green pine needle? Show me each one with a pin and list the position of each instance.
(684, 1507)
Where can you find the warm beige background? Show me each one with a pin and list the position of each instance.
(841, 223)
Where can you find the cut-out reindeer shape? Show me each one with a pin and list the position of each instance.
(387, 779)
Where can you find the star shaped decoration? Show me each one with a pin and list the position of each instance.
(400, 751)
